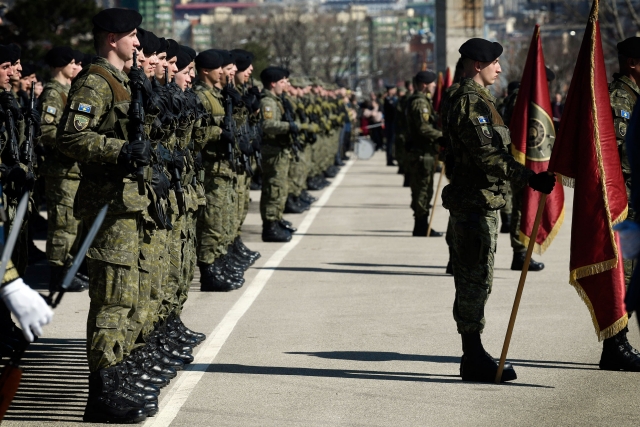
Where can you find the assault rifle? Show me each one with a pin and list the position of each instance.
(136, 118)
(230, 126)
(26, 155)
(175, 173)
(295, 133)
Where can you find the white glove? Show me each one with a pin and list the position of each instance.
(629, 232)
(28, 306)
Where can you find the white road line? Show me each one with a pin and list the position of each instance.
(189, 378)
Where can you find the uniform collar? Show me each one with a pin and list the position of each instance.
(121, 76)
(59, 86)
(626, 80)
(479, 88)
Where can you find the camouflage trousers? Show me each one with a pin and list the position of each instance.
(188, 262)
(421, 170)
(314, 157)
(64, 230)
(177, 239)
(516, 215)
(114, 280)
(152, 263)
(276, 162)
(216, 226)
(508, 198)
(298, 173)
(475, 236)
(243, 199)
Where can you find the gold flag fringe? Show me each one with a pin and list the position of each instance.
(518, 155)
(541, 248)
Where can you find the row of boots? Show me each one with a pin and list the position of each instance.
(128, 392)
(227, 272)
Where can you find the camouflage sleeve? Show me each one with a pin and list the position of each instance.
(207, 129)
(271, 123)
(86, 108)
(485, 145)
(51, 109)
(621, 106)
(422, 114)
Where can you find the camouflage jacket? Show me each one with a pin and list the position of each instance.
(52, 102)
(93, 129)
(275, 130)
(478, 142)
(421, 125)
(623, 94)
(508, 105)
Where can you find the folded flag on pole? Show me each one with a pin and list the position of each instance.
(586, 155)
(448, 80)
(532, 139)
(437, 96)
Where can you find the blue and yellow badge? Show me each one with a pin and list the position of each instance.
(80, 122)
(482, 120)
(85, 108)
(52, 110)
(625, 114)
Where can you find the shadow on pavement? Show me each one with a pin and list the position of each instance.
(341, 373)
(383, 356)
(335, 270)
(54, 382)
(351, 264)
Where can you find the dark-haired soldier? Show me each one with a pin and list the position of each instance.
(93, 130)
(483, 166)
(62, 173)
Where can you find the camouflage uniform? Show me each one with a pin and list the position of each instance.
(623, 94)
(62, 179)
(482, 165)
(420, 159)
(215, 227)
(445, 106)
(93, 131)
(276, 157)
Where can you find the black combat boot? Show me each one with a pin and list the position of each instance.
(313, 184)
(253, 256)
(478, 365)
(505, 219)
(331, 172)
(108, 402)
(420, 226)
(323, 181)
(619, 355)
(287, 225)
(292, 206)
(308, 198)
(214, 280)
(174, 321)
(146, 360)
(145, 373)
(273, 232)
(518, 262)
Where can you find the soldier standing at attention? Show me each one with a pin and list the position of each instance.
(624, 93)
(93, 130)
(423, 146)
(62, 173)
(276, 155)
(476, 193)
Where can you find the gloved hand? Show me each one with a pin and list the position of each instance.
(542, 182)
(293, 127)
(8, 103)
(245, 145)
(257, 142)
(227, 136)
(27, 306)
(135, 153)
(33, 115)
(248, 99)
(17, 179)
(160, 183)
(139, 79)
(231, 92)
(177, 162)
(197, 161)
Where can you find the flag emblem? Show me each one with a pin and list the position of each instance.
(482, 120)
(625, 114)
(85, 108)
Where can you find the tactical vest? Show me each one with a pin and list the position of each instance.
(214, 150)
(466, 172)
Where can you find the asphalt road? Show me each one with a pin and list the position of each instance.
(350, 324)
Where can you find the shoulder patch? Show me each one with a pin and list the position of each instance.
(80, 122)
(48, 119)
(625, 114)
(85, 108)
(482, 120)
(51, 110)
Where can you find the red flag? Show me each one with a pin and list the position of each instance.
(437, 96)
(448, 80)
(586, 155)
(532, 139)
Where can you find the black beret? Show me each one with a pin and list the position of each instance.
(286, 72)
(172, 49)
(152, 43)
(16, 51)
(164, 45)
(209, 59)
(227, 57)
(117, 20)
(389, 87)
(142, 37)
(551, 76)
(243, 59)
(59, 56)
(183, 60)
(512, 86)
(272, 75)
(189, 51)
(425, 77)
(6, 54)
(480, 50)
(630, 47)
(28, 69)
(78, 56)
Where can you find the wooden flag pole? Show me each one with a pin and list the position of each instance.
(523, 278)
(435, 200)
